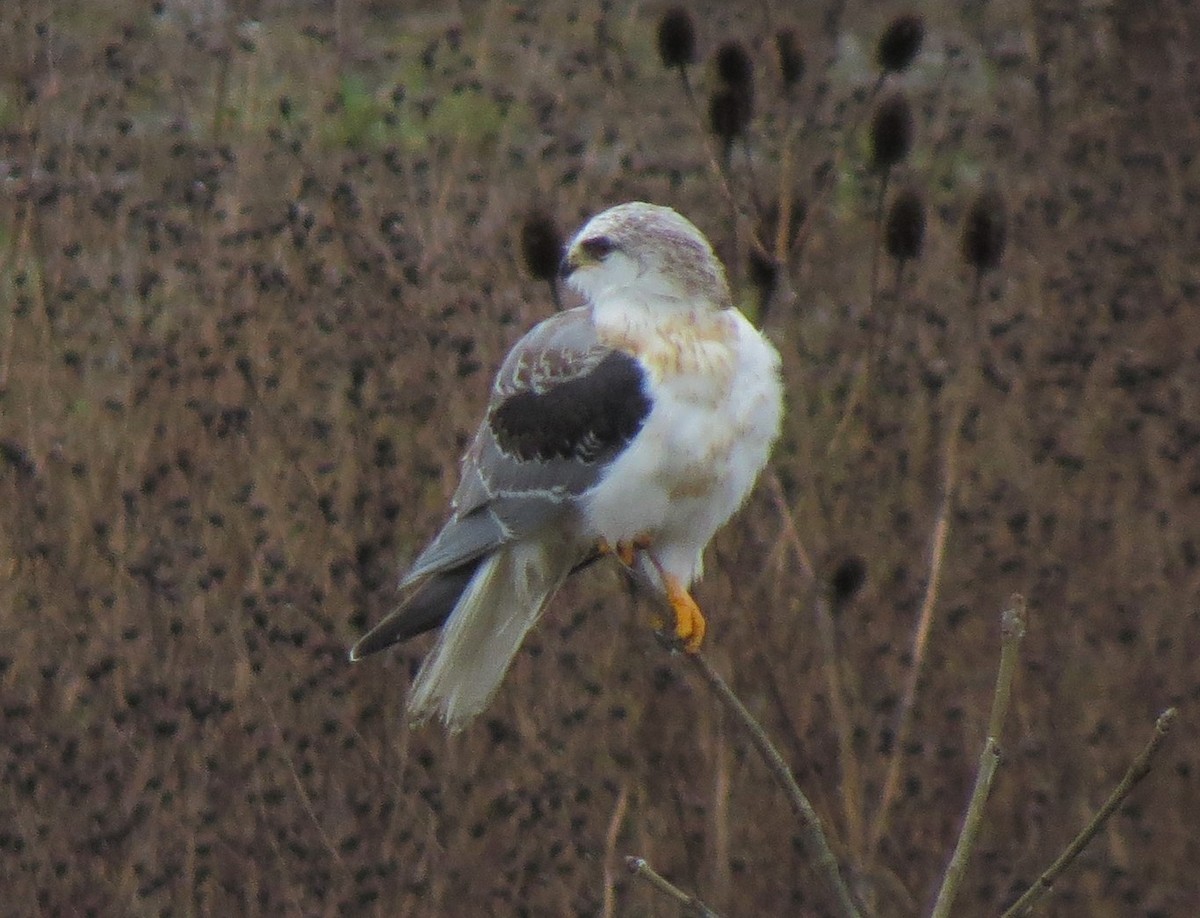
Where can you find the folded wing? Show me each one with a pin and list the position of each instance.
(562, 408)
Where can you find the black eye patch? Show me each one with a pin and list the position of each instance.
(597, 247)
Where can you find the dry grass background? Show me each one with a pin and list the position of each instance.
(257, 264)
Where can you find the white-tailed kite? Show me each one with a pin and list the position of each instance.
(635, 425)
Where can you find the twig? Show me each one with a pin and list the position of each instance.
(1137, 771)
(810, 823)
(937, 554)
(690, 904)
(1013, 629)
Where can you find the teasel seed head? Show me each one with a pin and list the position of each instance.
(677, 38)
(900, 43)
(541, 245)
(985, 231)
(791, 58)
(891, 132)
(904, 227)
(734, 68)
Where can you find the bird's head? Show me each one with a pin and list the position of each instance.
(646, 254)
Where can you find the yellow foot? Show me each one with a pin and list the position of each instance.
(689, 621)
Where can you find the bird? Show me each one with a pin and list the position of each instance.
(632, 426)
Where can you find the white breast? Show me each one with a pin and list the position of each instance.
(717, 403)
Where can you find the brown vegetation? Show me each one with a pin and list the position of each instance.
(255, 275)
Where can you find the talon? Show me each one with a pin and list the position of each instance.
(624, 550)
(689, 620)
(627, 550)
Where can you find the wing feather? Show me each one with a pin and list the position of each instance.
(563, 406)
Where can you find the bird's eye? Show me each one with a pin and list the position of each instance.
(597, 247)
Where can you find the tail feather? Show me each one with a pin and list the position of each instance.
(480, 638)
(427, 607)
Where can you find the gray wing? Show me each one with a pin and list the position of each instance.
(562, 408)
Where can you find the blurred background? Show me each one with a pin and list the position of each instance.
(258, 264)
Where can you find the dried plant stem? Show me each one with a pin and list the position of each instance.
(1133, 776)
(1013, 629)
(687, 91)
(790, 529)
(852, 784)
(719, 172)
(857, 389)
(876, 249)
(937, 554)
(302, 792)
(810, 823)
(722, 878)
(610, 852)
(839, 712)
(719, 169)
(225, 52)
(690, 904)
(783, 240)
(827, 182)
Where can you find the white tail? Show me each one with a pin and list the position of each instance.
(482, 634)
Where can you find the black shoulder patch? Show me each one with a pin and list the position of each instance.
(589, 417)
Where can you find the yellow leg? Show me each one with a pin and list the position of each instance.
(625, 551)
(689, 620)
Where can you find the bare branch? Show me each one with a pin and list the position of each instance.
(690, 904)
(1013, 629)
(1137, 771)
(810, 823)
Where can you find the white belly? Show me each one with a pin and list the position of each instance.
(697, 455)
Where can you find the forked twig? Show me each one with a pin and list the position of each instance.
(1133, 776)
(810, 823)
(1013, 629)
